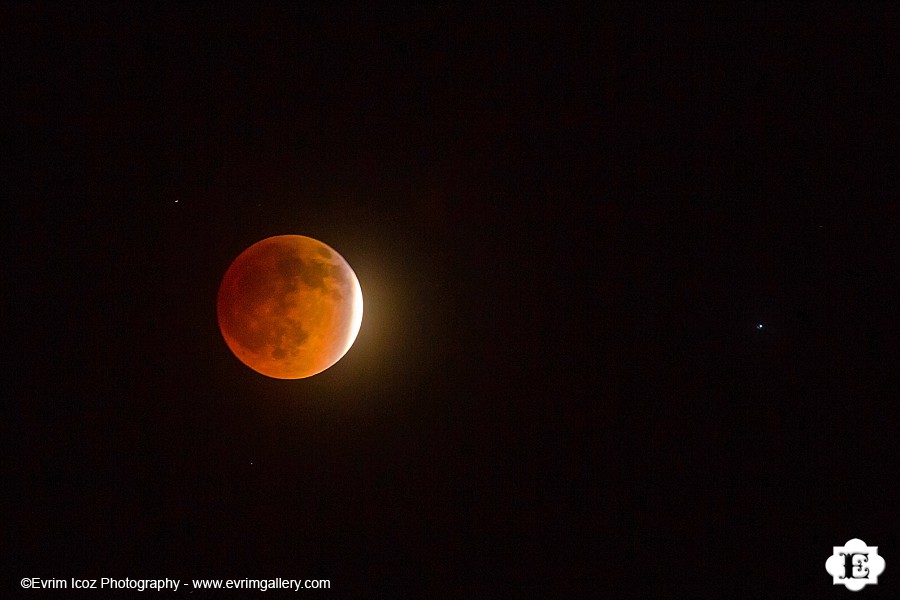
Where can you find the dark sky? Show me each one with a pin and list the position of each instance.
(566, 225)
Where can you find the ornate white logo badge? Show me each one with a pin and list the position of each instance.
(854, 564)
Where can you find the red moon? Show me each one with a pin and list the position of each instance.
(289, 307)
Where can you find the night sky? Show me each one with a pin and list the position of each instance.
(567, 227)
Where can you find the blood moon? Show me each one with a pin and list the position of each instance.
(289, 307)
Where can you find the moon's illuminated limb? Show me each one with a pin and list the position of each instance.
(356, 319)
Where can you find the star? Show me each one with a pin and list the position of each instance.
(759, 325)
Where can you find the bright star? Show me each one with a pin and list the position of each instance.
(759, 325)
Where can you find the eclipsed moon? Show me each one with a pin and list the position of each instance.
(289, 307)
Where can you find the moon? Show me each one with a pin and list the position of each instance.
(289, 307)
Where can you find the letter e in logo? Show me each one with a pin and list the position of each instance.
(855, 565)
